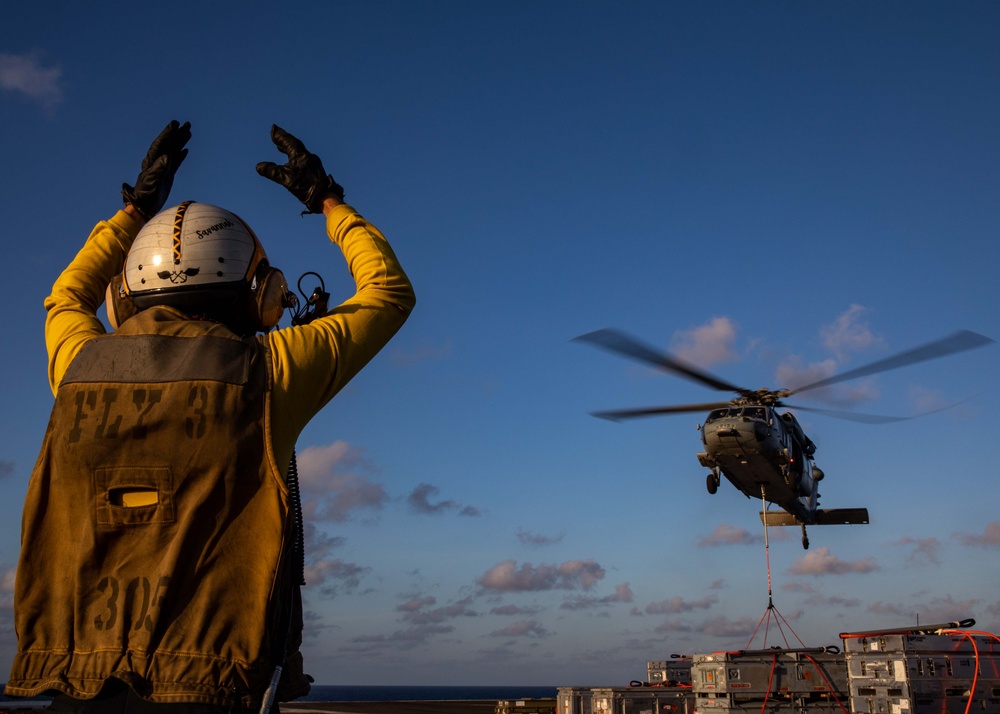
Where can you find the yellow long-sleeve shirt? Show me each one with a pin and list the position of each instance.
(310, 363)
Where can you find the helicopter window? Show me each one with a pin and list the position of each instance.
(755, 413)
(717, 414)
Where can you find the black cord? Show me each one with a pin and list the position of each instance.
(313, 306)
(298, 548)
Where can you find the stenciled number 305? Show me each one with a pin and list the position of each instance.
(133, 604)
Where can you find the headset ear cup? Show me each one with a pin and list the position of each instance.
(272, 297)
(118, 304)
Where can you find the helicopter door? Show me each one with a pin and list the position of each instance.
(793, 474)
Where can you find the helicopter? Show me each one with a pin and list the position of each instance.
(765, 453)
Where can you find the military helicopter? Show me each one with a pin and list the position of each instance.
(763, 452)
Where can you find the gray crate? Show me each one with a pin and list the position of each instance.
(921, 699)
(677, 670)
(773, 705)
(923, 674)
(642, 700)
(525, 706)
(918, 643)
(918, 673)
(574, 700)
(754, 675)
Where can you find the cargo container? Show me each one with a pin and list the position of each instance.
(671, 671)
(923, 673)
(770, 681)
(642, 700)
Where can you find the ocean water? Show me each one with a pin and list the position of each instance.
(395, 693)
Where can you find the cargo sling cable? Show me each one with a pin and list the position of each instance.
(766, 617)
(969, 635)
(829, 685)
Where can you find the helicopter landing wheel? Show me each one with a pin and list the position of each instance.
(712, 483)
(805, 538)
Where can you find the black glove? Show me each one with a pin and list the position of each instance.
(303, 175)
(165, 155)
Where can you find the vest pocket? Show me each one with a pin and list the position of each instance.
(133, 495)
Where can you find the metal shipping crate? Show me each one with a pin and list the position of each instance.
(788, 681)
(759, 672)
(677, 670)
(525, 706)
(574, 700)
(916, 642)
(913, 673)
(643, 700)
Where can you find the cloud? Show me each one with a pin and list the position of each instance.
(319, 544)
(846, 335)
(331, 488)
(571, 575)
(522, 628)
(798, 587)
(924, 550)
(850, 334)
(935, 610)
(419, 500)
(7, 603)
(725, 534)
(842, 601)
(416, 603)
(529, 538)
(25, 74)
(347, 574)
(926, 401)
(315, 626)
(407, 639)
(833, 600)
(417, 611)
(622, 593)
(674, 627)
(707, 345)
(821, 562)
(945, 608)
(990, 537)
(7, 581)
(321, 568)
(894, 609)
(510, 610)
(424, 620)
(792, 372)
(6, 469)
(724, 627)
(677, 605)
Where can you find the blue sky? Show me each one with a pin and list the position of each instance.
(773, 190)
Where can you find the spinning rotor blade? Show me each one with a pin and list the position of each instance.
(620, 414)
(630, 347)
(958, 342)
(868, 418)
(849, 416)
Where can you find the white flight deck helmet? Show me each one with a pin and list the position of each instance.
(203, 260)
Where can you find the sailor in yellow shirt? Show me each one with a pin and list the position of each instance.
(160, 531)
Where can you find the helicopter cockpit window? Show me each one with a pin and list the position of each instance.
(717, 414)
(755, 413)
